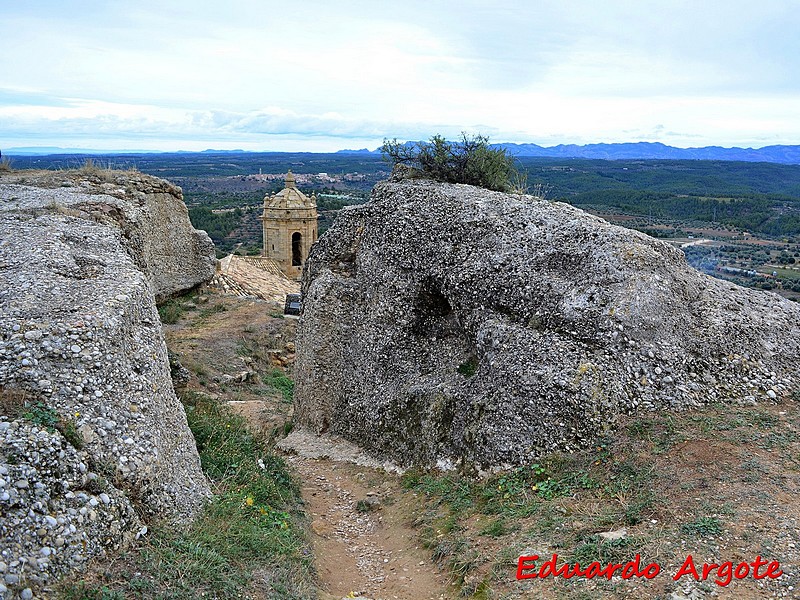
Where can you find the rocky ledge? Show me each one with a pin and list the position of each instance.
(448, 324)
(91, 432)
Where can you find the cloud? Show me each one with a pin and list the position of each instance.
(249, 71)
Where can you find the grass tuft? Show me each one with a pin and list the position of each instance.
(703, 526)
(170, 312)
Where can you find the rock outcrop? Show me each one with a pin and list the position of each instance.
(149, 212)
(91, 432)
(446, 324)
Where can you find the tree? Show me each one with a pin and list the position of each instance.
(470, 160)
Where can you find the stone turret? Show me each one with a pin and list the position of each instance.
(290, 227)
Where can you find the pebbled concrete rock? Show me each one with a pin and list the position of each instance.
(82, 352)
(148, 211)
(447, 323)
(55, 525)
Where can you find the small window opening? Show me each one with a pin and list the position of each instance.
(297, 249)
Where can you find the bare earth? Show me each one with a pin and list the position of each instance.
(374, 554)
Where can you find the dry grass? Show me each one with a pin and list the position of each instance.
(97, 171)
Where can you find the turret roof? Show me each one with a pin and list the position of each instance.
(290, 196)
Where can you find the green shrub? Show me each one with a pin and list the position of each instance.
(471, 160)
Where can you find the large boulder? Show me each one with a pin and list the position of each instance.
(447, 323)
(91, 432)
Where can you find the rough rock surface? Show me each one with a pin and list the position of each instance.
(446, 323)
(57, 514)
(90, 427)
(149, 212)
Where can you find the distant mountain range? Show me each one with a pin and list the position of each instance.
(49, 150)
(646, 150)
(636, 150)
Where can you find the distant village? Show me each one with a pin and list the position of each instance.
(309, 178)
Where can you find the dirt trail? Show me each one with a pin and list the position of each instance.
(374, 554)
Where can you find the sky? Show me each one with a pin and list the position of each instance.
(326, 75)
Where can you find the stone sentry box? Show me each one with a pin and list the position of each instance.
(290, 227)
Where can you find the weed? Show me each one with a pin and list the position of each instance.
(5, 165)
(640, 508)
(70, 432)
(468, 368)
(462, 563)
(496, 528)
(703, 526)
(780, 440)
(594, 549)
(92, 169)
(411, 478)
(170, 312)
(212, 310)
(363, 506)
(640, 428)
(762, 420)
(197, 368)
(278, 380)
(81, 592)
(41, 414)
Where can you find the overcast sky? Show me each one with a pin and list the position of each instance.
(326, 75)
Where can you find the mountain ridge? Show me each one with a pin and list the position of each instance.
(782, 153)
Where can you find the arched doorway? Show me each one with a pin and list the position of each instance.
(297, 249)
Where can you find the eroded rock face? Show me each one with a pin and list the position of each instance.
(149, 212)
(446, 323)
(57, 513)
(81, 347)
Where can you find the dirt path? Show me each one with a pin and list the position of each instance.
(373, 554)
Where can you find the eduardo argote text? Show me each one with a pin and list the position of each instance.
(529, 567)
